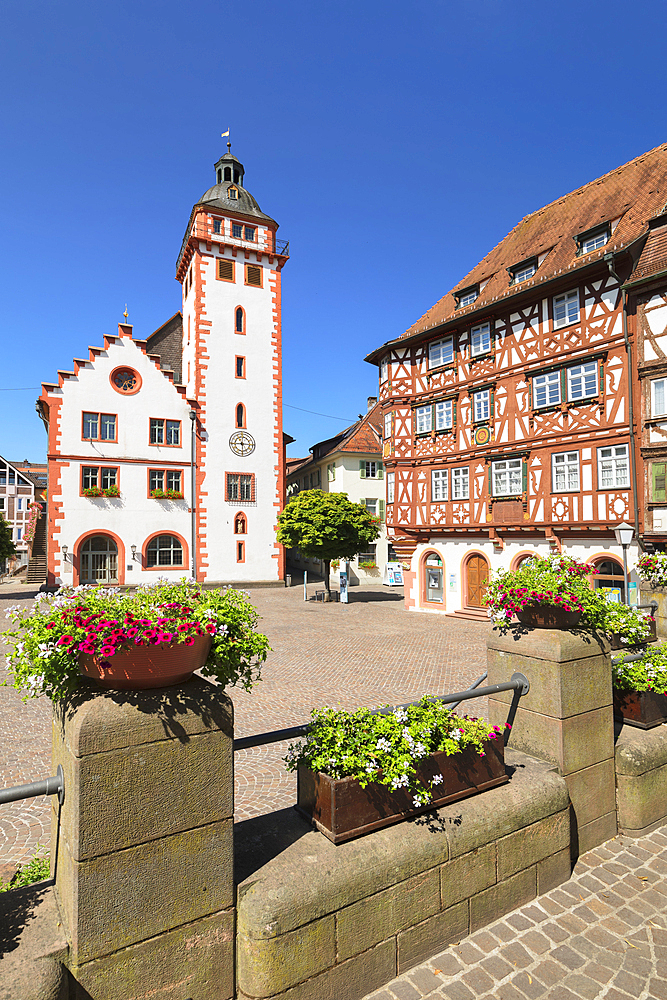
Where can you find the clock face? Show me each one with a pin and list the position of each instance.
(242, 443)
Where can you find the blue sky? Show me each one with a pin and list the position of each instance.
(395, 143)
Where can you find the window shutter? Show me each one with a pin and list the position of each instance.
(254, 275)
(381, 509)
(659, 471)
(601, 377)
(490, 480)
(362, 469)
(530, 393)
(225, 269)
(524, 475)
(492, 411)
(380, 470)
(453, 414)
(563, 385)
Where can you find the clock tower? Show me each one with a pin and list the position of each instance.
(230, 267)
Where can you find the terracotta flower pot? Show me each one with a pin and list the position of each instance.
(643, 709)
(341, 809)
(147, 666)
(549, 616)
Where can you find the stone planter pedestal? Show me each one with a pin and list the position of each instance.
(145, 855)
(566, 718)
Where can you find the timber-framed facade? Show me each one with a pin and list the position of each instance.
(513, 409)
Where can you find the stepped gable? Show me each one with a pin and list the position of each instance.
(124, 330)
(631, 194)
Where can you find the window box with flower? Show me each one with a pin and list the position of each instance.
(94, 492)
(640, 689)
(359, 771)
(166, 494)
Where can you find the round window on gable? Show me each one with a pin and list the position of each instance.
(125, 380)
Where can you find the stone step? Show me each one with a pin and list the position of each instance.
(470, 615)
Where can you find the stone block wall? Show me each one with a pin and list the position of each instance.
(145, 859)
(318, 921)
(641, 779)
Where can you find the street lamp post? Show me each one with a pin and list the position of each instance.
(624, 535)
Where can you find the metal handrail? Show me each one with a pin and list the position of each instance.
(518, 683)
(54, 785)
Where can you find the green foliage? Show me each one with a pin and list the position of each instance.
(652, 567)
(326, 525)
(385, 748)
(6, 545)
(38, 869)
(647, 674)
(563, 581)
(101, 621)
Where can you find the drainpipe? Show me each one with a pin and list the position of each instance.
(193, 490)
(631, 417)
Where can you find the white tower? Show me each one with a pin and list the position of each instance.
(229, 266)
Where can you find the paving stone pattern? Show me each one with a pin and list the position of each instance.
(370, 652)
(601, 934)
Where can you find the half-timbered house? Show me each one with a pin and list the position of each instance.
(512, 409)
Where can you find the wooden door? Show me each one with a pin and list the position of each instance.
(477, 577)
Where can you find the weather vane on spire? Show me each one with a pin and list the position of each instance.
(229, 145)
(126, 314)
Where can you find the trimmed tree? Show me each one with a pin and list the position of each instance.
(6, 545)
(326, 526)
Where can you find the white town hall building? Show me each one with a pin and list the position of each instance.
(166, 455)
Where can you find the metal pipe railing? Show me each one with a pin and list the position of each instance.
(54, 785)
(518, 683)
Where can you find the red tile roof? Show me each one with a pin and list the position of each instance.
(627, 197)
(653, 258)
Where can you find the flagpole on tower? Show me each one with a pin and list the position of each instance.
(229, 145)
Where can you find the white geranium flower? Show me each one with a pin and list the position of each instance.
(383, 744)
(400, 715)
(437, 779)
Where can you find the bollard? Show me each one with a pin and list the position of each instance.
(305, 584)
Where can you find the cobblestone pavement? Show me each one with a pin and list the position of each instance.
(370, 652)
(601, 934)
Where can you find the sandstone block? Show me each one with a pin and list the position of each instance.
(430, 936)
(266, 966)
(381, 916)
(500, 899)
(553, 871)
(467, 875)
(532, 844)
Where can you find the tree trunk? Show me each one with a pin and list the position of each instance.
(327, 571)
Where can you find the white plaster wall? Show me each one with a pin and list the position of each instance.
(453, 554)
(134, 516)
(258, 393)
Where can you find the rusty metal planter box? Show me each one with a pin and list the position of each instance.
(643, 709)
(341, 809)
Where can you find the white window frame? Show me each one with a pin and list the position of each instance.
(391, 485)
(467, 300)
(659, 409)
(444, 415)
(481, 405)
(371, 470)
(372, 505)
(479, 337)
(567, 464)
(549, 384)
(439, 485)
(595, 242)
(387, 425)
(384, 369)
(504, 471)
(617, 459)
(424, 419)
(441, 352)
(583, 373)
(523, 273)
(569, 301)
(461, 483)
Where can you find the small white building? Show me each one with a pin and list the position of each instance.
(351, 463)
(166, 455)
(20, 489)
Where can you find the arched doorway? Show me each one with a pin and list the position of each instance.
(609, 577)
(98, 560)
(477, 577)
(433, 578)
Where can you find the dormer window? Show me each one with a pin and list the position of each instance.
(233, 193)
(592, 239)
(466, 296)
(522, 271)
